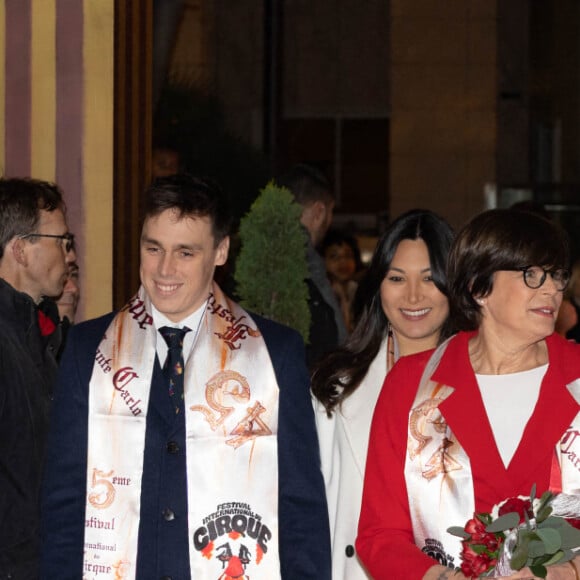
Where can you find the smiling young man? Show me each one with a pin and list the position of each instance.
(206, 469)
(35, 247)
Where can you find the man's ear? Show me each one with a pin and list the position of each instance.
(307, 215)
(222, 252)
(17, 249)
(319, 211)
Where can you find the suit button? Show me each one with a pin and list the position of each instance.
(172, 447)
(349, 551)
(168, 515)
(166, 578)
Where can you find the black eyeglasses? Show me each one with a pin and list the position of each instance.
(534, 276)
(68, 239)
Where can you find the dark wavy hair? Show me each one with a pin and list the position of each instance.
(190, 196)
(341, 371)
(498, 239)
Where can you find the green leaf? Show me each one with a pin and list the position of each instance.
(558, 557)
(543, 513)
(539, 571)
(479, 548)
(505, 522)
(542, 559)
(568, 555)
(552, 522)
(551, 539)
(537, 548)
(459, 532)
(519, 557)
(570, 535)
(544, 509)
(533, 493)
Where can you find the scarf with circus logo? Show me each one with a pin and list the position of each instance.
(231, 401)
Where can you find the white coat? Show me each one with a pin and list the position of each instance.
(343, 442)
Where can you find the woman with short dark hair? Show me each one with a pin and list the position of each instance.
(483, 417)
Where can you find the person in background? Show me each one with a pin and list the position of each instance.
(568, 321)
(342, 259)
(35, 250)
(485, 417)
(406, 311)
(68, 301)
(312, 191)
(165, 160)
(183, 442)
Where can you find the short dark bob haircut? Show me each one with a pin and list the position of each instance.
(189, 196)
(498, 239)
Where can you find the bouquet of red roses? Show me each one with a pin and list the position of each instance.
(520, 531)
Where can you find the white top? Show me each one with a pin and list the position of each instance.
(343, 451)
(509, 401)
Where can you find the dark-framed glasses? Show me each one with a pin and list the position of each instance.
(535, 276)
(68, 239)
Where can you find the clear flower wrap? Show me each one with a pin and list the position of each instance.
(520, 532)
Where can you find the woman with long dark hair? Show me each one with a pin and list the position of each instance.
(404, 310)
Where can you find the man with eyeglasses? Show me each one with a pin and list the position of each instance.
(35, 250)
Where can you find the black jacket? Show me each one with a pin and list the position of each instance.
(323, 333)
(27, 372)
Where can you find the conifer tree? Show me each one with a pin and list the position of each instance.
(271, 268)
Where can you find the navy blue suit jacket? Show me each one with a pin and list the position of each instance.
(163, 541)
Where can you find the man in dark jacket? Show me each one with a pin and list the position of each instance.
(312, 191)
(183, 442)
(35, 247)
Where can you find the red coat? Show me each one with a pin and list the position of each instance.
(385, 541)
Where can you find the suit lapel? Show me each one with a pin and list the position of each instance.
(553, 414)
(358, 410)
(465, 414)
(464, 411)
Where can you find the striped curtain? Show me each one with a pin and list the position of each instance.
(56, 119)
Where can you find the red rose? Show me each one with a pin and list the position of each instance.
(474, 564)
(491, 542)
(475, 526)
(520, 506)
(476, 529)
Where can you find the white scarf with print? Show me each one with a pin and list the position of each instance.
(231, 402)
